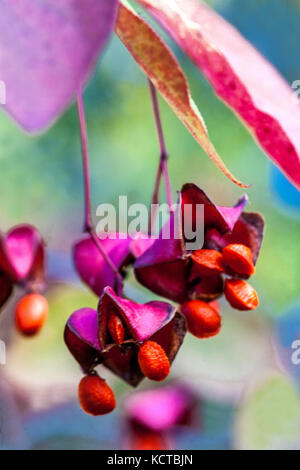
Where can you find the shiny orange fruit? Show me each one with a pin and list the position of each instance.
(240, 294)
(31, 313)
(153, 361)
(203, 321)
(208, 261)
(239, 258)
(95, 396)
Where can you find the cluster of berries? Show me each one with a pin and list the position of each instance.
(97, 398)
(22, 264)
(141, 340)
(203, 318)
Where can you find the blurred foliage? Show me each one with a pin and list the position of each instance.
(264, 423)
(287, 331)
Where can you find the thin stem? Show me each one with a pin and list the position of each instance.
(118, 276)
(155, 198)
(88, 223)
(165, 172)
(163, 161)
(85, 161)
(157, 117)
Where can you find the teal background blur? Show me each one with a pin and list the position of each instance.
(247, 388)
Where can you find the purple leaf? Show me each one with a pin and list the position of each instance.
(46, 49)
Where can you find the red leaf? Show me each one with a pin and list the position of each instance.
(240, 76)
(162, 68)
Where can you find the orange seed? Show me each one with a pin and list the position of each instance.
(239, 258)
(31, 313)
(95, 396)
(116, 328)
(203, 321)
(240, 294)
(153, 361)
(208, 261)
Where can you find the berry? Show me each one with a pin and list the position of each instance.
(148, 440)
(203, 321)
(116, 328)
(95, 396)
(240, 294)
(208, 261)
(31, 314)
(239, 258)
(153, 361)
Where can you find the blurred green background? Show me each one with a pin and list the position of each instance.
(249, 399)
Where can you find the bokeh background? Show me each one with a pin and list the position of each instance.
(246, 386)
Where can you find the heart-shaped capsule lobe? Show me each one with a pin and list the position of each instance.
(239, 258)
(241, 295)
(22, 254)
(153, 361)
(203, 321)
(95, 396)
(31, 314)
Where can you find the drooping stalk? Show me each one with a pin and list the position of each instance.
(162, 170)
(88, 222)
(85, 162)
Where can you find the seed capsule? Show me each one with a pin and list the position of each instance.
(203, 321)
(209, 288)
(240, 294)
(208, 261)
(239, 258)
(153, 361)
(31, 314)
(116, 328)
(95, 396)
